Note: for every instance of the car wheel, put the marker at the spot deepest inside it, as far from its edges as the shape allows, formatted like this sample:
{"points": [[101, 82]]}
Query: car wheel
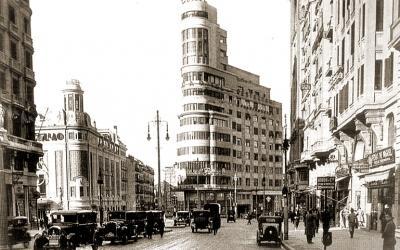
{"points": [[26, 244], [192, 230], [196, 230], [174, 224], [136, 237], [124, 239]]}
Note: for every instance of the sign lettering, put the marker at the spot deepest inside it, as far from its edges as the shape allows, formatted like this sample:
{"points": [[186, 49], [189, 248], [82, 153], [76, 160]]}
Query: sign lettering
{"points": [[326, 182], [50, 137], [382, 157]]}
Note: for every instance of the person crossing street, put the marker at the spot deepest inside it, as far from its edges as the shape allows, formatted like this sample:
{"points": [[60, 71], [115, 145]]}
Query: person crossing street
{"points": [[352, 222]]}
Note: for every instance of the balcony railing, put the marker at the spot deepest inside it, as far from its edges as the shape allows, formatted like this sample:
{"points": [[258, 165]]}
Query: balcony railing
{"points": [[32, 145], [395, 34], [321, 147], [15, 64], [28, 40], [29, 73], [14, 29]]}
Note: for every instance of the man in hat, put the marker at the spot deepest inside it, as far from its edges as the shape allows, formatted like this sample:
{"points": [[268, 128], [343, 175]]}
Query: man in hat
{"points": [[352, 222], [388, 235]]}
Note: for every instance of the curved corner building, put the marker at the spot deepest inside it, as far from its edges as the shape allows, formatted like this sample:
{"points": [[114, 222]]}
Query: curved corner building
{"points": [[228, 125]]}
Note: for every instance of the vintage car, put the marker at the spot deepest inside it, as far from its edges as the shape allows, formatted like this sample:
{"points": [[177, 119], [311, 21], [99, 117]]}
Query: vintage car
{"points": [[215, 212], [201, 219], [231, 216], [117, 228], [69, 229], [137, 218], [157, 218], [182, 218], [269, 229], [18, 231]]}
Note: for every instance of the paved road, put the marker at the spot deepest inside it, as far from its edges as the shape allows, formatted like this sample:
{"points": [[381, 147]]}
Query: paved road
{"points": [[230, 236]]}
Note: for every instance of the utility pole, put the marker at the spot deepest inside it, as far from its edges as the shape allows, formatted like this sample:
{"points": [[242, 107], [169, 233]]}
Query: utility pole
{"points": [[158, 121], [285, 189]]}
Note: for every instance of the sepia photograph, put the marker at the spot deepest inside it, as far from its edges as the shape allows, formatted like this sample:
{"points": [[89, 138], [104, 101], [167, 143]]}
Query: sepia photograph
{"points": [[200, 124]]}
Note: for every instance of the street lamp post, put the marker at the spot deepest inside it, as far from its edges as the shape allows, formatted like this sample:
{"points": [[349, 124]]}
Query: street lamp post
{"points": [[100, 183], [158, 121], [235, 179], [285, 189]]}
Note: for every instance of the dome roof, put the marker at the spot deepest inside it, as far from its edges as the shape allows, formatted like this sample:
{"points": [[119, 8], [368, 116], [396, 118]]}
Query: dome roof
{"points": [[73, 85]]}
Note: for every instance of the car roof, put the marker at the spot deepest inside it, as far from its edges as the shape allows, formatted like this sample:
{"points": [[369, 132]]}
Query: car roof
{"points": [[72, 212], [183, 212], [19, 218]]}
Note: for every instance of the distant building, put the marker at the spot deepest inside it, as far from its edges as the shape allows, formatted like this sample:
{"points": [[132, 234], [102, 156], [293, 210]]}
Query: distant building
{"points": [[229, 125], [79, 159], [19, 152], [144, 185]]}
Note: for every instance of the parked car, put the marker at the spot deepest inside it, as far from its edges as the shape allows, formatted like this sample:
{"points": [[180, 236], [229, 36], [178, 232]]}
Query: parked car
{"points": [[231, 216], [201, 219], [18, 231], [182, 217], [117, 228], [269, 229], [69, 229]]}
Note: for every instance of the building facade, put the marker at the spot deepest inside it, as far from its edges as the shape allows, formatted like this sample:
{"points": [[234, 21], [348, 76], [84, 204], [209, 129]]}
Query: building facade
{"points": [[347, 90], [82, 167], [144, 186], [19, 153], [230, 133]]}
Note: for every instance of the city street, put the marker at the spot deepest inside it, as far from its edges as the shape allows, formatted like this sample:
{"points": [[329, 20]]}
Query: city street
{"points": [[230, 236]]}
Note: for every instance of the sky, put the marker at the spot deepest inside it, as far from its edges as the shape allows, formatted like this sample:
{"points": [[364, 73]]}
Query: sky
{"points": [[127, 56]]}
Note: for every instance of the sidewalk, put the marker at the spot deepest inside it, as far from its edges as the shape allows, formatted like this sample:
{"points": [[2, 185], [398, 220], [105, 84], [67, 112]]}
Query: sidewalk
{"points": [[363, 239]]}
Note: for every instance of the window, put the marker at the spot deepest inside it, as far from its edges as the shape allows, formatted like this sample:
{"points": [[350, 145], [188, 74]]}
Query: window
{"points": [[263, 132], [2, 41], [26, 25], [271, 183], [3, 83], [379, 15], [71, 135], [378, 75], [28, 59], [72, 191], [247, 168], [255, 169], [278, 183], [389, 70], [247, 181], [247, 143], [256, 131], [256, 144], [255, 156], [29, 93], [391, 130], [248, 129], [361, 79], [15, 87], [13, 50], [255, 182], [230, 111], [255, 118], [239, 114], [81, 194], [263, 145], [363, 21], [11, 14]]}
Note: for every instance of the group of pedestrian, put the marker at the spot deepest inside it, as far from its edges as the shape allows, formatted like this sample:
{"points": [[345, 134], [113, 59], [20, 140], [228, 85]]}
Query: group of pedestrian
{"points": [[344, 217], [311, 223]]}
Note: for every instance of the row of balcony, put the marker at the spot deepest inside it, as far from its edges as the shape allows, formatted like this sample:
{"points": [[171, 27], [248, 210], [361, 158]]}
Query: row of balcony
{"points": [[25, 144]]}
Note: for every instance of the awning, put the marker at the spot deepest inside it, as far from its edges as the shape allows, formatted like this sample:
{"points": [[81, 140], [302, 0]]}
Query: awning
{"points": [[377, 176], [341, 178]]}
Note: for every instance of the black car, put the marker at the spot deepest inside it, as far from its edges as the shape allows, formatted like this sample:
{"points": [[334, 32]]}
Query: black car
{"points": [[231, 216], [269, 229], [69, 229], [201, 219], [182, 217], [137, 218], [18, 231], [117, 228]]}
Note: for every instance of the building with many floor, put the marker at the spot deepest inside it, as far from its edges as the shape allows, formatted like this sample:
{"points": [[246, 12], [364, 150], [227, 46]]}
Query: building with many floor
{"points": [[83, 167], [345, 108], [144, 185], [230, 132], [19, 152]]}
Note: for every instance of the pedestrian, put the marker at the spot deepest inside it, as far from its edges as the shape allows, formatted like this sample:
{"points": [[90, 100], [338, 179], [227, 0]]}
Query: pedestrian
{"points": [[352, 222], [309, 226], [297, 220], [46, 221], [150, 226], [41, 224], [326, 219], [360, 217], [215, 224], [343, 217], [249, 218], [388, 235], [382, 217], [317, 219]]}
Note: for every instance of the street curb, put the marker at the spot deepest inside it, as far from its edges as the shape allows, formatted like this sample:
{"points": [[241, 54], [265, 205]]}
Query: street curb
{"points": [[287, 246]]}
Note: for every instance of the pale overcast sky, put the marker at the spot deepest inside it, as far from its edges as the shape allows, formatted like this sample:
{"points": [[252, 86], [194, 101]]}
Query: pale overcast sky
{"points": [[127, 56]]}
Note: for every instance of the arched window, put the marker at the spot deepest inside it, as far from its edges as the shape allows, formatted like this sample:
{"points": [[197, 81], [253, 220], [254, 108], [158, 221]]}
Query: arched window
{"points": [[391, 130]]}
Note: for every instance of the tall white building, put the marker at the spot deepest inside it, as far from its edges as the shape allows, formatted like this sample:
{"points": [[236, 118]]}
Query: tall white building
{"points": [[229, 126]]}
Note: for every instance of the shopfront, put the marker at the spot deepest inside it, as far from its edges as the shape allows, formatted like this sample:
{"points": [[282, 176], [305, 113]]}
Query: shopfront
{"points": [[380, 185]]}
